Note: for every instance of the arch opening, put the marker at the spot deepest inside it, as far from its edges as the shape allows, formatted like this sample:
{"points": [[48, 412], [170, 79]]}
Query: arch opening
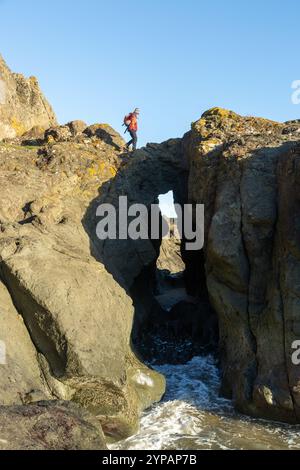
{"points": [[180, 322], [173, 319]]}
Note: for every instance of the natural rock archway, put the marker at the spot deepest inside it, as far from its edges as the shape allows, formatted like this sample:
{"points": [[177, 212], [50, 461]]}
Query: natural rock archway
{"points": [[68, 296], [243, 170], [153, 170]]}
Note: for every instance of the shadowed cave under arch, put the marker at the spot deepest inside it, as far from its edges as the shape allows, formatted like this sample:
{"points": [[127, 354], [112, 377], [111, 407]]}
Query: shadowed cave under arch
{"points": [[155, 170]]}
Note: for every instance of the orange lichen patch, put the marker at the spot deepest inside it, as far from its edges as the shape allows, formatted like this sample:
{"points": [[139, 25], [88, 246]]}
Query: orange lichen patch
{"points": [[97, 169], [35, 130], [208, 145], [50, 139], [101, 166], [92, 171], [221, 123], [113, 170], [221, 113], [17, 126], [33, 80]]}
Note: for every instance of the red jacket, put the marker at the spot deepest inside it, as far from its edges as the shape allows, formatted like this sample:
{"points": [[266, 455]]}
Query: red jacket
{"points": [[133, 126]]}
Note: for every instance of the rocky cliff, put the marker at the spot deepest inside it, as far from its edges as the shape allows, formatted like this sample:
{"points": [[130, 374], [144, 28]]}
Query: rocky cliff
{"points": [[22, 105], [246, 172], [72, 306], [65, 321]]}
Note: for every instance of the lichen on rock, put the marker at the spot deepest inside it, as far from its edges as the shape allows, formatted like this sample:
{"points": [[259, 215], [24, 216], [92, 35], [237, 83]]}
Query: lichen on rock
{"points": [[74, 316], [72, 305], [248, 185]]}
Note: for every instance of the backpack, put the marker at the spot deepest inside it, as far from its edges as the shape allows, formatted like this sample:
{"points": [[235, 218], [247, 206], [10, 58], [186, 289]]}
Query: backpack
{"points": [[127, 120]]}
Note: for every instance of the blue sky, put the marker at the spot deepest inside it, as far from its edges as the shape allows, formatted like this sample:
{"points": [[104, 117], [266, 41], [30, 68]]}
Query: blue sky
{"points": [[174, 59]]}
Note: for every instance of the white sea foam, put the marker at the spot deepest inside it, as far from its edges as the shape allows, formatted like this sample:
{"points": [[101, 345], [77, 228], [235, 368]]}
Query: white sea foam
{"points": [[194, 416]]}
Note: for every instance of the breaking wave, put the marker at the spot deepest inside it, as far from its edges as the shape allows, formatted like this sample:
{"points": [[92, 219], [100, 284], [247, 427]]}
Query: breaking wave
{"points": [[193, 416]]}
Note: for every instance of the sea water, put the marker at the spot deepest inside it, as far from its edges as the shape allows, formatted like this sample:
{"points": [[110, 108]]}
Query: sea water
{"points": [[192, 416]]}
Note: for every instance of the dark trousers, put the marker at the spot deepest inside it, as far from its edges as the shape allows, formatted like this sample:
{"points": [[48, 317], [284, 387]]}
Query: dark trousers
{"points": [[133, 140]]}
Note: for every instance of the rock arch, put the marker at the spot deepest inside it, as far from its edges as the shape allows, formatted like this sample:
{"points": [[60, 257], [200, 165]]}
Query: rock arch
{"points": [[154, 170]]}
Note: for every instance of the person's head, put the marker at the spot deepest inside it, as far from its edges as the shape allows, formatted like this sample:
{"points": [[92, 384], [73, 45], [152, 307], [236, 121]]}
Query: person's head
{"points": [[136, 112]]}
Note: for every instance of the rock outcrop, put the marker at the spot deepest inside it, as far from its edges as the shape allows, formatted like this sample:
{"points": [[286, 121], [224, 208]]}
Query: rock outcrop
{"points": [[22, 104], [154, 170], [246, 172], [21, 379], [170, 256], [78, 318], [49, 426]]}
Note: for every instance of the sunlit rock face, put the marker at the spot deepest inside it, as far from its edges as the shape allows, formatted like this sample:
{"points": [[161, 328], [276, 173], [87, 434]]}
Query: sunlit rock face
{"points": [[64, 319], [22, 104]]}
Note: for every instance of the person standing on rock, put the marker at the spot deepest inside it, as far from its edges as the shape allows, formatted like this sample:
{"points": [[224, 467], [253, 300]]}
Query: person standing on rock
{"points": [[131, 122]]}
